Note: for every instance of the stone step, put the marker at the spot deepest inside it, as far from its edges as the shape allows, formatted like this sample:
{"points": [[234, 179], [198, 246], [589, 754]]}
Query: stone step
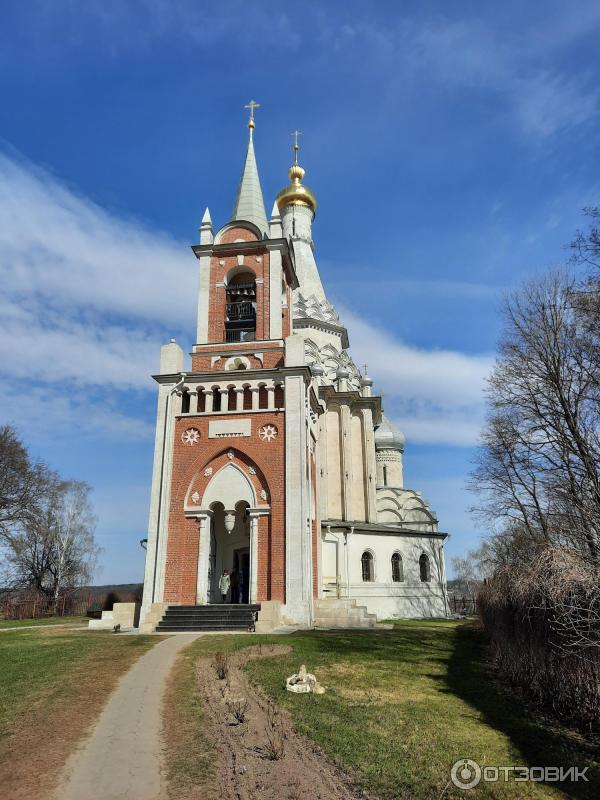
{"points": [[208, 618], [166, 628]]}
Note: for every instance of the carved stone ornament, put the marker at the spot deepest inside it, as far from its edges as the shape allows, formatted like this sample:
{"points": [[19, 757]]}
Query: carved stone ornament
{"points": [[263, 494], [251, 470], [195, 497], [191, 436], [267, 433], [208, 472], [230, 455]]}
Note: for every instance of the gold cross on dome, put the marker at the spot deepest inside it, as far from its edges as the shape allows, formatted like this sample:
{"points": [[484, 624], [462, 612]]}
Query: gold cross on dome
{"points": [[296, 134], [252, 105]]}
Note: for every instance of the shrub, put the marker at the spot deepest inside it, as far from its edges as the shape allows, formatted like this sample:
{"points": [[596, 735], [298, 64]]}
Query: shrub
{"points": [[543, 621]]}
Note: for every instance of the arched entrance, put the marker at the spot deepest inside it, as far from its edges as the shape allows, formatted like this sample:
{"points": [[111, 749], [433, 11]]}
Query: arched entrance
{"points": [[228, 535], [230, 550]]}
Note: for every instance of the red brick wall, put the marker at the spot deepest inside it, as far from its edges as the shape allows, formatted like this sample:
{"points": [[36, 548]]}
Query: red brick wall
{"points": [[189, 463], [218, 273], [273, 356]]}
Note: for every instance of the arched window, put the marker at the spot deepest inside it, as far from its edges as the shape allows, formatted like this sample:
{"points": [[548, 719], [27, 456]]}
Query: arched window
{"points": [[216, 399], [185, 402], [231, 400], [366, 561], [201, 400], [397, 568], [424, 568], [240, 321], [247, 398], [279, 396], [263, 397]]}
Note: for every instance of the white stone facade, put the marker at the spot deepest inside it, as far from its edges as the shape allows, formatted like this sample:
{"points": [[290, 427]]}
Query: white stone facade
{"points": [[353, 535]]}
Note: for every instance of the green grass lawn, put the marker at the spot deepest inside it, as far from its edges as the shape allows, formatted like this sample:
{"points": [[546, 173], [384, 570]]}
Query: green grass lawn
{"points": [[26, 623], [401, 706], [53, 684]]}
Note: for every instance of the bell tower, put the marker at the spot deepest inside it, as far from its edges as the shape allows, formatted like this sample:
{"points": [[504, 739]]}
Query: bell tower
{"points": [[231, 478]]}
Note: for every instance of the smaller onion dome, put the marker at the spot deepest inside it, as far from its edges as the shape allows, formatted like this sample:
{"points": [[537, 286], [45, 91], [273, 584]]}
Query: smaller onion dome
{"points": [[296, 193], [388, 436], [317, 370]]}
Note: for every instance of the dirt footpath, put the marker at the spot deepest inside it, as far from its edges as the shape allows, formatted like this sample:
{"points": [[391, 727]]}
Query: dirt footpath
{"points": [[122, 758], [260, 756]]}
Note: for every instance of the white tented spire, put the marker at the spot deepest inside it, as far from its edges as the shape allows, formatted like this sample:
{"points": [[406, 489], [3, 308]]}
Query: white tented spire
{"points": [[249, 204]]}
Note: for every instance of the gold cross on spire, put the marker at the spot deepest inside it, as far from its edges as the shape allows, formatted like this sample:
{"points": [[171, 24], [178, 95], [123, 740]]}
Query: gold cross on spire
{"points": [[296, 134], [251, 105]]}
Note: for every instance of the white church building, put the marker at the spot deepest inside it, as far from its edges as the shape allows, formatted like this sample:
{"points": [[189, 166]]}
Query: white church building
{"points": [[273, 458]]}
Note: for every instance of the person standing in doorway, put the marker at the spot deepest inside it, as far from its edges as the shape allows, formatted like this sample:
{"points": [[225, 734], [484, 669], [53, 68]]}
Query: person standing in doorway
{"points": [[224, 583]]}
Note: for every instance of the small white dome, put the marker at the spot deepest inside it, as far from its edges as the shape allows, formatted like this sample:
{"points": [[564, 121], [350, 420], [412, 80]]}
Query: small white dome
{"points": [[388, 436]]}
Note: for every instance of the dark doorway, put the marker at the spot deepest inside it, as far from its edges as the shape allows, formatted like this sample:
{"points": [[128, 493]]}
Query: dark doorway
{"points": [[241, 565]]}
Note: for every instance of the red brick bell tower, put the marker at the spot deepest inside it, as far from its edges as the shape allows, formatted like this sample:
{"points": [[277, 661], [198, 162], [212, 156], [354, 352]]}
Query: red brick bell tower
{"points": [[219, 484]]}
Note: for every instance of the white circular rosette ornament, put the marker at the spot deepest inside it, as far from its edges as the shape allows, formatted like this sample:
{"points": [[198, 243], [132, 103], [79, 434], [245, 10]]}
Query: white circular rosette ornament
{"points": [[267, 433], [191, 436]]}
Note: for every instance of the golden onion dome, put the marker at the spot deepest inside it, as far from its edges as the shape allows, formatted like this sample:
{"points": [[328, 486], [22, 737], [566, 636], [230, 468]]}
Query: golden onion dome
{"points": [[296, 193]]}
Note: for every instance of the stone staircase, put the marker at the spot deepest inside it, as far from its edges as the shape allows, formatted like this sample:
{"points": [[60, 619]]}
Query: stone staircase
{"points": [[178, 619], [342, 614]]}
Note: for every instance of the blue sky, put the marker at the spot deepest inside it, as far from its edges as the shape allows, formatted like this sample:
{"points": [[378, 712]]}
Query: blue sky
{"points": [[451, 147]]}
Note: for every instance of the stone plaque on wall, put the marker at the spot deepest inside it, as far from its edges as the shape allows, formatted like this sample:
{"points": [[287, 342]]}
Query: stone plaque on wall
{"points": [[223, 428]]}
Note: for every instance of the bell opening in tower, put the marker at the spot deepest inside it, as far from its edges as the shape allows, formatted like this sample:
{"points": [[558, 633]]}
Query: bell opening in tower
{"points": [[240, 319]]}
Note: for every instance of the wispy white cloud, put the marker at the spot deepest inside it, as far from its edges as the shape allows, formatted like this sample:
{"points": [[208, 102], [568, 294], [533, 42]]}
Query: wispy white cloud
{"points": [[87, 297], [436, 396], [521, 71]]}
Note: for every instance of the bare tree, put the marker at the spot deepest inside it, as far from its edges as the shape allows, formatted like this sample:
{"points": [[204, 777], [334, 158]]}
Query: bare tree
{"points": [[53, 550], [21, 481], [470, 570], [538, 473]]}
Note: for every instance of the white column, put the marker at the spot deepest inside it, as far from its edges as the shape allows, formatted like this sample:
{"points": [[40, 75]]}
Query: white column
{"points": [[253, 557], [255, 397], [271, 397], [203, 557], [208, 400], [275, 329], [239, 400], [345, 446], [370, 465], [161, 457], [224, 399], [176, 403], [297, 565], [203, 295], [193, 401]]}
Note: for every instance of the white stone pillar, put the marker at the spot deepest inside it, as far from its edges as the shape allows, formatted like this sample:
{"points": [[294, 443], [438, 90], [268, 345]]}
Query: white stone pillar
{"points": [[297, 509], [275, 308], [176, 403], [255, 390], [208, 400], [370, 471], [239, 400], [193, 401], [224, 399], [203, 559], [253, 557], [346, 450], [271, 397]]}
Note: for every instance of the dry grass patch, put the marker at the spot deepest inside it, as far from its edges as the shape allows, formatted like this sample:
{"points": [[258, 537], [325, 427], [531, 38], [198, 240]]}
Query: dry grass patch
{"points": [[403, 705], [53, 684]]}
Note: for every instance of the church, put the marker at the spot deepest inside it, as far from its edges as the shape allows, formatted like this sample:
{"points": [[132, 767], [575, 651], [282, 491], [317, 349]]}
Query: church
{"points": [[277, 476]]}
